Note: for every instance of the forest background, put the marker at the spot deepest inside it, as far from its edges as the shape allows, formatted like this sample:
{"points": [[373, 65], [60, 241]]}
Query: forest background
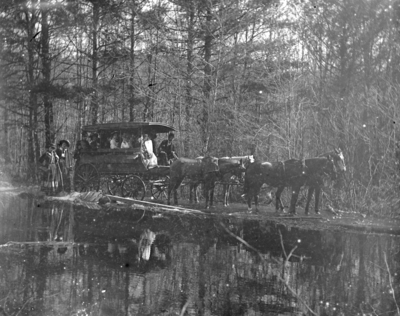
{"points": [[293, 78]]}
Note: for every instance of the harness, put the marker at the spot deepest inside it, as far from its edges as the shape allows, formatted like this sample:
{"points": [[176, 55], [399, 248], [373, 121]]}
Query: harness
{"points": [[303, 170]]}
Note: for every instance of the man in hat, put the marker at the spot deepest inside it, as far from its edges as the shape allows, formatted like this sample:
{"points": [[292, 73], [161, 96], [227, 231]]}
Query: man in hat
{"points": [[166, 151], [48, 165]]}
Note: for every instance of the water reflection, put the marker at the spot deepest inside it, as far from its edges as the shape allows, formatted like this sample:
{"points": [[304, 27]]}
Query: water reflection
{"points": [[76, 261]]}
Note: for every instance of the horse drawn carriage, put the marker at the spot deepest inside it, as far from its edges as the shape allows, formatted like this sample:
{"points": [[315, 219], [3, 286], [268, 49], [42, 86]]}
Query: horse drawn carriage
{"points": [[123, 170]]}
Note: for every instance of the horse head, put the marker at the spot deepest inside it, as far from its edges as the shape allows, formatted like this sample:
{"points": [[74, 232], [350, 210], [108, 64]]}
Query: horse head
{"points": [[339, 160], [330, 167], [247, 161], [241, 166]]}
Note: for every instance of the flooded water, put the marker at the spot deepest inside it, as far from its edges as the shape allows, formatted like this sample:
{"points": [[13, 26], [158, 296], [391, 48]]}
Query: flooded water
{"points": [[56, 259]]}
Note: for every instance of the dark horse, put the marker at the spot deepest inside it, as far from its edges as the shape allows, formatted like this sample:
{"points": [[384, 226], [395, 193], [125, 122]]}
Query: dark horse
{"points": [[292, 173], [231, 169], [315, 186], [196, 170]]}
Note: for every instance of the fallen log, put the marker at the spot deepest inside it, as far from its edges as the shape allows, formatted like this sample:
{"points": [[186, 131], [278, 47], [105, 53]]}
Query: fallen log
{"points": [[145, 205]]}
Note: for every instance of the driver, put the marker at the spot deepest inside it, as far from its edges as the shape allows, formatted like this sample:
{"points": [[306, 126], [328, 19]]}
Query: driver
{"points": [[166, 151]]}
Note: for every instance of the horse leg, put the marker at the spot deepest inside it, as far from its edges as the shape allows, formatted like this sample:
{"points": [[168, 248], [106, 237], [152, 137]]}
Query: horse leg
{"points": [[174, 184], [171, 187], [209, 184], [309, 196], [256, 196], [212, 197], [206, 191], [249, 194], [176, 195], [225, 190], [169, 192], [196, 198], [317, 195], [293, 200], [191, 193], [278, 201]]}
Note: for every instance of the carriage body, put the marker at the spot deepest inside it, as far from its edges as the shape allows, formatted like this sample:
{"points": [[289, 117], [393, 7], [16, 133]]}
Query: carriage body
{"points": [[123, 170]]}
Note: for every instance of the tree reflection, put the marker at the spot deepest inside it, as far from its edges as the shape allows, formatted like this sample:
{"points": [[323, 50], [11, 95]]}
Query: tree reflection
{"points": [[71, 261]]}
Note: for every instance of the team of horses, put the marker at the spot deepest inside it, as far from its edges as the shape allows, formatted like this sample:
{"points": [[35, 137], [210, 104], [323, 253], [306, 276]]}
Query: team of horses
{"points": [[292, 173]]}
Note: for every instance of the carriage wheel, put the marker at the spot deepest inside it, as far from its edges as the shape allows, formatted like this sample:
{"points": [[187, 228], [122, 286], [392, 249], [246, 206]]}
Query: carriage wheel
{"points": [[114, 185], [159, 189], [133, 187], [86, 178]]}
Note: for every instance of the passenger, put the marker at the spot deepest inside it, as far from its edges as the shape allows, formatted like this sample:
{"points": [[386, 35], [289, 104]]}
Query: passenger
{"points": [[134, 141], [104, 141], [114, 141], [153, 136], [84, 142], [48, 165], [125, 141], [94, 141], [63, 155], [149, 159], [166, 151]]}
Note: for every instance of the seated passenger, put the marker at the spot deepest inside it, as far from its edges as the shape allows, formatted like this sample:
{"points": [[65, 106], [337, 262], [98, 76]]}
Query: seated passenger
{"points": [[149, 158], [84, 143], [134, 141], [125, 141], [114, 141], [94, 141], [104, 141], [152, 137]]}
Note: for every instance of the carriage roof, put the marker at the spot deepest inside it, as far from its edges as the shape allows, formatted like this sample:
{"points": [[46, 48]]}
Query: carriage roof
{"points": [[144, 127]]}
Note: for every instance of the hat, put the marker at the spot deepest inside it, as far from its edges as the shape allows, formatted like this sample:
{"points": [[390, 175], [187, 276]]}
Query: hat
{"points": [[64, 141]]}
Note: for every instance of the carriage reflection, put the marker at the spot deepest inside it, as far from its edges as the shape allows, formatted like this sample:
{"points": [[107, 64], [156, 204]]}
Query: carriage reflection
{"points": [[117, 265]]}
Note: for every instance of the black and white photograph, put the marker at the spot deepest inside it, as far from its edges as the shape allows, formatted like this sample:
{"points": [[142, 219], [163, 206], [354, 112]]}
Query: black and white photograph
{"points": [[199, 157]]}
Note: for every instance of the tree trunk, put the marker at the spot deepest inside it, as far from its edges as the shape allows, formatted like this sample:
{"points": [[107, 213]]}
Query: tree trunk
{"points": [[32, 127], [94, 103], [6, 153], [207, 82], [147, 105], [132, 65], [189, 72], [46, 72]]}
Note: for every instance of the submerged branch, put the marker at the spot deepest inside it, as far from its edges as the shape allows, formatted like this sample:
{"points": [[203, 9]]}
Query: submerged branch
{"points": [[294, 293], [391, 283]]}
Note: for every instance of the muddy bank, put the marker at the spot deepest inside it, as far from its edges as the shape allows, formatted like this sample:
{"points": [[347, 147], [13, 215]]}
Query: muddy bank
{"points": [[327, 220]]}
